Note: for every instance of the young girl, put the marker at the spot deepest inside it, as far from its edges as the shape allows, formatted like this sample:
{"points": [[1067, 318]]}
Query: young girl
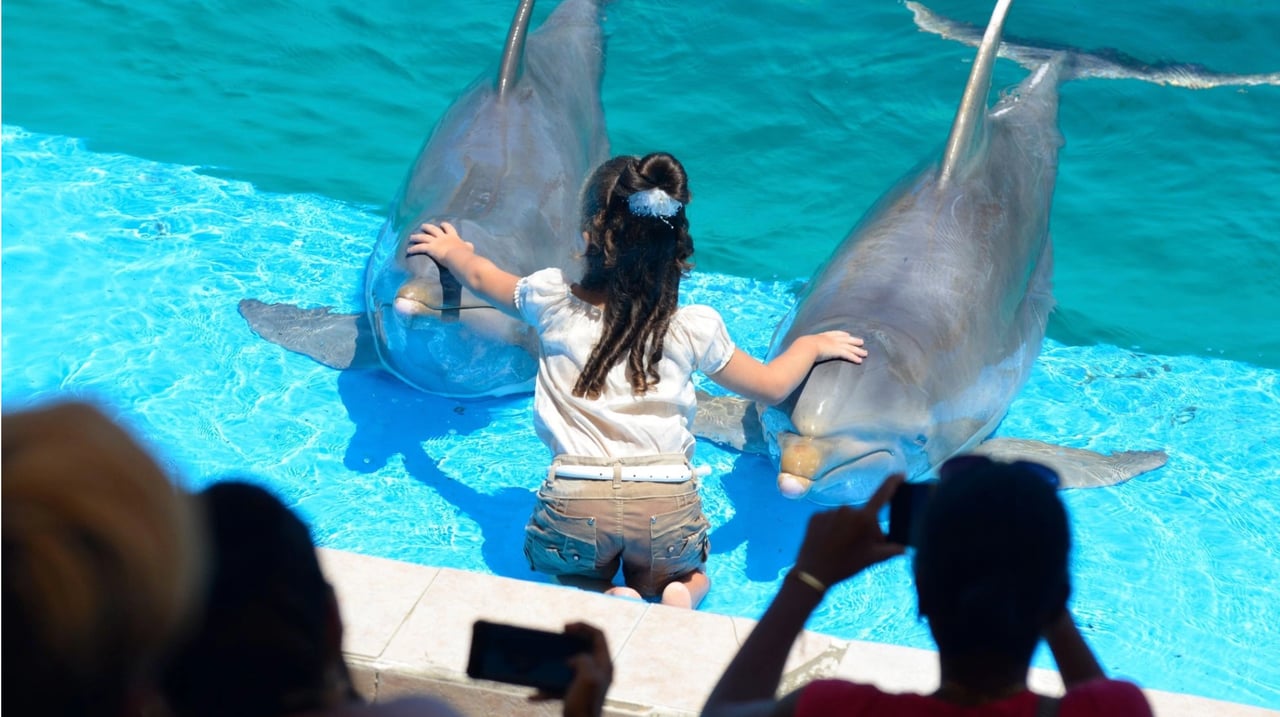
{"points": [[614, 397]]}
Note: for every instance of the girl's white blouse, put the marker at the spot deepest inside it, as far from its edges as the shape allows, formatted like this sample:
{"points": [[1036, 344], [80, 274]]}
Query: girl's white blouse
{"points": [[617, 423]]}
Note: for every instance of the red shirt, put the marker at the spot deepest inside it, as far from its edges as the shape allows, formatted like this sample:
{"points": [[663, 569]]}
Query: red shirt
{"points": [[839, 698]]}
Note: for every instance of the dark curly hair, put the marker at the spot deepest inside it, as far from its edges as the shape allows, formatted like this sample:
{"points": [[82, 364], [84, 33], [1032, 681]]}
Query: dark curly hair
{"points": [[265, 645], [637, 262]]}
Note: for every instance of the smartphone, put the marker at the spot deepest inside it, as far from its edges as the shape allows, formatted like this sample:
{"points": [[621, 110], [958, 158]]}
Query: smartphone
{"points": [[905, 509], [524, 656]]}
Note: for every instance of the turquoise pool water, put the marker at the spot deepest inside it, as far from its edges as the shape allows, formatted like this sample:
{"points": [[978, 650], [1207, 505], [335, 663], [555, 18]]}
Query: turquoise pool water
{"points": [[161, 163]]}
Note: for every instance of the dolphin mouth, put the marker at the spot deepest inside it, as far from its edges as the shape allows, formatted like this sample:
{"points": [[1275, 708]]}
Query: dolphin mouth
{"points": [[881, 461], [416, 297], [409, 308], [793, 486], [855, 481], [463, 359], [808, 469], [800, 461]]}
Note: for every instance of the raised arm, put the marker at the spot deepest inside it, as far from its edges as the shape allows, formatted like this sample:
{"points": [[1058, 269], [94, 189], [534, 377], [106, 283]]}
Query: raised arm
{"points": [[838, 544], [481, 276], [773, 381], [1075, 660]]}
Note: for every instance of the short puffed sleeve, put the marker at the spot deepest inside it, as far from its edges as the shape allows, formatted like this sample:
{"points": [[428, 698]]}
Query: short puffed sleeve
{"points": [[704, 329], [538, 291]]}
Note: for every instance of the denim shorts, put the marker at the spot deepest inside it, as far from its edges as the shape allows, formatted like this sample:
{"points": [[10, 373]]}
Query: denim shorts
{"points": [[583, 530]]}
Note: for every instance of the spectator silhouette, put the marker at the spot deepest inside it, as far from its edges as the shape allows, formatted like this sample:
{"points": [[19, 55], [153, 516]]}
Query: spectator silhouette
{"points": [[270, 642], [101, 565], [991, 577]]}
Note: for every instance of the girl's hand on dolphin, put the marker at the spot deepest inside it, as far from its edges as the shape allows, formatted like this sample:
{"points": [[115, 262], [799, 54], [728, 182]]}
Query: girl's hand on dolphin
{"points": [[438, 242], [843, 542], [839, 345]]}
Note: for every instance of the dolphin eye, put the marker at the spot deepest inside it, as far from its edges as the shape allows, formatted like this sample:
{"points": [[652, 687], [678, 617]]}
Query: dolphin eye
{"points": [[481, 201], [921, 439]]}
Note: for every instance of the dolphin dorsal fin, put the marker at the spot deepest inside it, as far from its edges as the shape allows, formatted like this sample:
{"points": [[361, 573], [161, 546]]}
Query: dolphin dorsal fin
{"points": [[513, 51], [968, 130]]}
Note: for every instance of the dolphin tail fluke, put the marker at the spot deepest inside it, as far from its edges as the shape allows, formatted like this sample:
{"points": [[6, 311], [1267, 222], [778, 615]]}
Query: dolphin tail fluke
{"points": [[1076, 467], [338, 341], [730, 421], [1082, 64]]}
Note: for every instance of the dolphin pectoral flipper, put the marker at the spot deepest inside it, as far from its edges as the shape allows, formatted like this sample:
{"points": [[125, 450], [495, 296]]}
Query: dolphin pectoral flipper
{"points": [[730, 421], [338, 341], [1076, 467]]}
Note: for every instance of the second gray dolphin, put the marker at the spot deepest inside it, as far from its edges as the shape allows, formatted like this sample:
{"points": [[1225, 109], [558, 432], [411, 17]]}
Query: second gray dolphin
{"points": [[948, 279]]}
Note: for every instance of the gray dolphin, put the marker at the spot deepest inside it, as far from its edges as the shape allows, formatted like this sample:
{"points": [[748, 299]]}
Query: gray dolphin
{"points": [[947, 278], [505, 164]]}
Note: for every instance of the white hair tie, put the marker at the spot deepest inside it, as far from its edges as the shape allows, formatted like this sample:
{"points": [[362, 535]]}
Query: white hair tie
{"points": [[653, 203]]}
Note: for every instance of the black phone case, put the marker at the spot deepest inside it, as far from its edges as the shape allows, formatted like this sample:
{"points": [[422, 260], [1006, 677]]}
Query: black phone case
{"points": [[523, 656], [905, 509]]}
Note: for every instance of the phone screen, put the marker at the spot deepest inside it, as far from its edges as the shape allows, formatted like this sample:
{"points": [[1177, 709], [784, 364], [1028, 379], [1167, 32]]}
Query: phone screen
{"points": [[905, 509], [523, 656]]}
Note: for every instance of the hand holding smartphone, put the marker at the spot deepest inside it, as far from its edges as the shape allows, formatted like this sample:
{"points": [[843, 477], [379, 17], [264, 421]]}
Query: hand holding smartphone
{"points": [[524, 656], [905, 510]]}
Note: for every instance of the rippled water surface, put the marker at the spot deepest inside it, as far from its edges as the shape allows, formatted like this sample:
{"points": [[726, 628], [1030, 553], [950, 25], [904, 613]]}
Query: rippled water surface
{"points": [[163, 161]]}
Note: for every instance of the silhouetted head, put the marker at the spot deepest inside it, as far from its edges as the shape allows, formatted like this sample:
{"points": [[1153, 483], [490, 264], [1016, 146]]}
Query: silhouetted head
{"points": [[270, 639], [638, 248], [102, 564], [991, 564]]}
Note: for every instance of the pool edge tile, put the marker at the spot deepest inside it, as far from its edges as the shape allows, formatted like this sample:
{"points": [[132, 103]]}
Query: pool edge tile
{"points": [[375, 596], [420, 645], [437, 633]]}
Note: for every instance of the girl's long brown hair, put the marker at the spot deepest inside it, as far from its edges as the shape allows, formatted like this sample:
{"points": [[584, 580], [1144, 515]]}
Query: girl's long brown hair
{"points": [[637, 261]]}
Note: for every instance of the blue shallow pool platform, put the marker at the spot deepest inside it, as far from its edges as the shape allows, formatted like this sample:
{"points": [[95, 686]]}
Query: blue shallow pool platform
{"points": [[408, 628]]}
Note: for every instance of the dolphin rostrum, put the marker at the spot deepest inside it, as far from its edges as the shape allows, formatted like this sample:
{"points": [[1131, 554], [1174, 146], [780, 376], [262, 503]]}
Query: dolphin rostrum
{"points": [[947, 278], [504, 164]]}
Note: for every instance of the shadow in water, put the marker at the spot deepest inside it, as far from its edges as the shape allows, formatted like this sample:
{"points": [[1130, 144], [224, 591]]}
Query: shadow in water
{"points": [[393, 418], [771, 526], [501, 517]]}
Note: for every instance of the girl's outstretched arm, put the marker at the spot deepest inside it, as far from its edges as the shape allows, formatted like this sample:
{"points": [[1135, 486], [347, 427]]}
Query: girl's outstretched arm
{"points": [[481, 276], [772, 382]]}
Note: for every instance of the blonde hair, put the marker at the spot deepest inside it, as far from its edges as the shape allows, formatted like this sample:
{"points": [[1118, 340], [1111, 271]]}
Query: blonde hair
{"points": [[102, 559]]}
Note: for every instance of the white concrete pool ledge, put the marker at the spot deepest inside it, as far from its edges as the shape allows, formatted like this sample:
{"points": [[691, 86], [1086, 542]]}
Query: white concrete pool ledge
{"points": [[408, 630]]}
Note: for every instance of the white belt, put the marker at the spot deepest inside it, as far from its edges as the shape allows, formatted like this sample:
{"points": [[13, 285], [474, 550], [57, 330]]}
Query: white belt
{"points": [[654, 474]]}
